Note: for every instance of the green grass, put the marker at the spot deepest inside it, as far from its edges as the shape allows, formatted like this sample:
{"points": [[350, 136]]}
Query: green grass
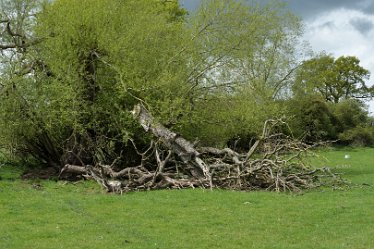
{"points": [[65, 215]]}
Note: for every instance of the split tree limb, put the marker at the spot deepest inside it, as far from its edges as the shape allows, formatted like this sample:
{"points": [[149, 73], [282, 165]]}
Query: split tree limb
{"points": [[274, 162]]}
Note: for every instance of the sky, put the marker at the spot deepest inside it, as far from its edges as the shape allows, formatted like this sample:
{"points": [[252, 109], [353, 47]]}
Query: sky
{"points": [[338, 27]]}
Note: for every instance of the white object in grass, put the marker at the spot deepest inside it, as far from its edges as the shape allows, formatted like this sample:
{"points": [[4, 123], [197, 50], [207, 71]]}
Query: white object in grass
{"points": [[347, 156]]}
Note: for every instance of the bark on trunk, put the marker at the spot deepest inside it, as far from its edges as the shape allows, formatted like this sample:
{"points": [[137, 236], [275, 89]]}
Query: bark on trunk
{"points": [[182, 147]]}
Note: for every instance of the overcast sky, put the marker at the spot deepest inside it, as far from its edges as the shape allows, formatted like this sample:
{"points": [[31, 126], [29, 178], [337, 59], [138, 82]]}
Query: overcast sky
{"points": [[339, 27]]}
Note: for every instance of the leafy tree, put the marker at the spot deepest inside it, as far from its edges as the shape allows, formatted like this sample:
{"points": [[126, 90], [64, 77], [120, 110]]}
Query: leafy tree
{"points": [[243, 58], [311, 119], [334, 79], [17, 19], [338, 86], [359, 136], [314, 119], [350, 113], [354, 123], [86, 73]]}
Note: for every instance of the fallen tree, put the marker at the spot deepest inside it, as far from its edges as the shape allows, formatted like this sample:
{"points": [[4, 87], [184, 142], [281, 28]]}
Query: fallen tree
{"points": [[273, 162]]}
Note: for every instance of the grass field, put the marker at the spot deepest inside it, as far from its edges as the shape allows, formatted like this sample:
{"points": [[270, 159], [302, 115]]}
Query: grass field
{"points": [[81, 215]]}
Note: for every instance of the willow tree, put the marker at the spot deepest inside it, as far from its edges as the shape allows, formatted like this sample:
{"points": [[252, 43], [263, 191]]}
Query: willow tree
{"points": [[73, 84], [243, 61]]}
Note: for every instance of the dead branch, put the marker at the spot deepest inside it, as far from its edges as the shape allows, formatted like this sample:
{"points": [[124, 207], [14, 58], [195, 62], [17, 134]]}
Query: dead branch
{"points": [[274, 162]]}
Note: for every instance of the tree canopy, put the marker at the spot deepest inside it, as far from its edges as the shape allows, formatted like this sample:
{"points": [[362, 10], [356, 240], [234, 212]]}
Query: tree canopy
{"points": [[334, 79], [328, 101]]}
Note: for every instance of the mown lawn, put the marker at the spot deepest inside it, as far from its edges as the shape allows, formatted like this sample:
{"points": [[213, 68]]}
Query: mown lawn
{"points": [[81, 215]]}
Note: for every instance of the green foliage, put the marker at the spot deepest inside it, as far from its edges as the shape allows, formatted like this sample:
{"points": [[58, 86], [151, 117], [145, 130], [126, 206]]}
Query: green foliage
{"points": [[315, 119], [354, 123], [326, 102], [334, 79], [243, 56], [113, 48], [312, 119], [88, 71], [358, 136], [224, 117], [350, 113]]}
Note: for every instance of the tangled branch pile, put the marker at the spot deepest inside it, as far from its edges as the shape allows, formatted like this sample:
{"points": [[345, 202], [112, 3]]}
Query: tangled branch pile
{"points": [[274, 162]]}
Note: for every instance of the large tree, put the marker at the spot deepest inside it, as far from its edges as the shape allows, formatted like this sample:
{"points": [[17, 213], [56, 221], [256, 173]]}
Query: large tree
{"points": [[243, 58], [70, 89], [334, 79], [328, 99]]}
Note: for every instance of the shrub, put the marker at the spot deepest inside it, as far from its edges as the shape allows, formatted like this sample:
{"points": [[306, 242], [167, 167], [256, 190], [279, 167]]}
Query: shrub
{"points": [[358, 136], [312, 119]]}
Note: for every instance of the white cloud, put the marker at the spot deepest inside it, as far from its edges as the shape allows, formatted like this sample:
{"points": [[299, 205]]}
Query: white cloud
{"points": [[337, 32]]}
